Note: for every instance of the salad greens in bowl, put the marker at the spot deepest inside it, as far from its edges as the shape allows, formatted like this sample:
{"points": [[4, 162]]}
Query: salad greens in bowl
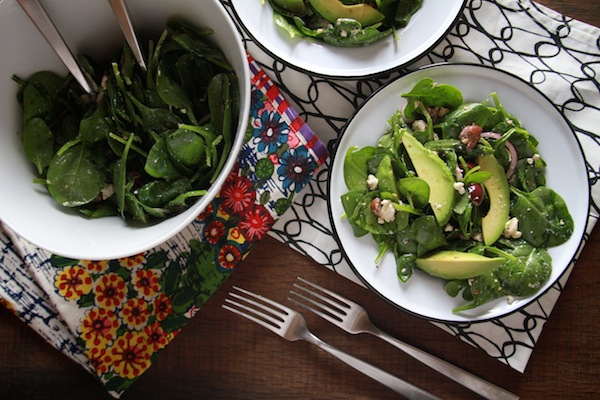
{"points": [[321, 46], [117, 172], [346, 23], [459, 193]]}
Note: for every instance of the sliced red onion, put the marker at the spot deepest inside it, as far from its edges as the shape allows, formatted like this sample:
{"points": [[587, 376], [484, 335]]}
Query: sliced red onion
{"points": [[513, 159], [492, 135], [511, 150]]}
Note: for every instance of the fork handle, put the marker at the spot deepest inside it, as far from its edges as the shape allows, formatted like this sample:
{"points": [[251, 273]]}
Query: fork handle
{"points": [[37, 14], [398, 385], [478, 385]]}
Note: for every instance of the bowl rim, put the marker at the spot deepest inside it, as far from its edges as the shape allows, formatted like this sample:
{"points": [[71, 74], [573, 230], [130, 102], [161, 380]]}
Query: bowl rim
{"points": [[186, 217], [477, 320], [350, 76]]}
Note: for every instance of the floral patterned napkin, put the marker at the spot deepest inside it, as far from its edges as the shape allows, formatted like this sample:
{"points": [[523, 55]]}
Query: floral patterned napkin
{"points": [[114, 316]]}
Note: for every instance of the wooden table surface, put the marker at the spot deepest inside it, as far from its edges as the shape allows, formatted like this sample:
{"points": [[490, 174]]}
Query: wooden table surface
{"points": [[221, 355]]}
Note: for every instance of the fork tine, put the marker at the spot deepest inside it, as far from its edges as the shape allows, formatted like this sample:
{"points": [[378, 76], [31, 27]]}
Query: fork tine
{"points": [[336, 307], [276, 307], [329, 316], [272, 318], [249, 316], [341, 301]]}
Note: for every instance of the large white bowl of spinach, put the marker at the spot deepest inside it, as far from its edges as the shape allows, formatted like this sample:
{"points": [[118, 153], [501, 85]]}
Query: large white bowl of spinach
{"points": [[459, 193], [117, 173]]}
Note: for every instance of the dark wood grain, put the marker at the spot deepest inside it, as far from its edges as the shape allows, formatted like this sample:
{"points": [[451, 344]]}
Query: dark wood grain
{"points": [[219, 355]]}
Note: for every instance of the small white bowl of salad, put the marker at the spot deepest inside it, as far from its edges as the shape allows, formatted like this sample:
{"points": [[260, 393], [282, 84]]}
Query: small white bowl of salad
{"points": [[459, 193], [346, 39], [115, 173]]}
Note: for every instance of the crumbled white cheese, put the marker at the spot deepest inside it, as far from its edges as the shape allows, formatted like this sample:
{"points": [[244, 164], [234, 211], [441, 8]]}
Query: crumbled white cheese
{"points": [[511, 229], [459, 187], [510, 299], [448, 228], [107, 191], [478, 236], [388, 212], [533, 159], [372, 182], [419, 125]]}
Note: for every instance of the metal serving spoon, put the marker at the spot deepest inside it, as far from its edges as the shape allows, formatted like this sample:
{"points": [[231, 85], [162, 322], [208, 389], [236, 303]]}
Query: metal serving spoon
{"points": [[122, 13], [44, 24]]}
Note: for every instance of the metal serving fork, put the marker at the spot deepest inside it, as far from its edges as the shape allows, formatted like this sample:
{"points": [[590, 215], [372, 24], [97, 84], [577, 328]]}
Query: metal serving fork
{"points": [[291, 326], [353, 318]]}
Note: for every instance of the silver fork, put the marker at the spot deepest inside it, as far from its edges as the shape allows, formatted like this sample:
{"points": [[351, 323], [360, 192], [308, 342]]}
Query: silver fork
{"points": [[40, 18], [121, 11], [291, 326], [353, 318]]}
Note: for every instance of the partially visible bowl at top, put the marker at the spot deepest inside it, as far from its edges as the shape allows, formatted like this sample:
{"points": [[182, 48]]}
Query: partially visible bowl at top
{"points": [[89, 27], [426, 28]]}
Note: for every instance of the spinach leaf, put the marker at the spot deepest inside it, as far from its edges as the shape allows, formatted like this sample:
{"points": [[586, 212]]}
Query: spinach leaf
{"points": [[158, 164], [355, 167], [39, 93], [170, 91], [434, 94], [348, 32], [38, 141], [158, 193], [350, 202], [96, 127], [543, 217], [73, 178], [416, 190], [120, 176], [521, 275]]}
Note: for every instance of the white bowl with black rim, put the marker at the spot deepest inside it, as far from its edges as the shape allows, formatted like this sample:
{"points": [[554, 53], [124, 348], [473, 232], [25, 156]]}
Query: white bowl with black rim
{"points": [[427, 27], [424, 295]]}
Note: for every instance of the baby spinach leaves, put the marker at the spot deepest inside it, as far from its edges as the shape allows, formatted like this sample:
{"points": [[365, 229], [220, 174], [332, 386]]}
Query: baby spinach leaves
{"points": [[523, 274], [73, 179], [333, 22], [545, 219], [384, 173], [149, 143]]}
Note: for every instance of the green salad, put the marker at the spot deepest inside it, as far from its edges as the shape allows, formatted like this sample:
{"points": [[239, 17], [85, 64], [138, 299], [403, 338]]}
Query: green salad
{"points": [[344, 23], [148, 143], [458, 190]]}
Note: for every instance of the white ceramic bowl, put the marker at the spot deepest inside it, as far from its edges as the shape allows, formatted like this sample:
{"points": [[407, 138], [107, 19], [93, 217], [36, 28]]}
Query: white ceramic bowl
{"points": [[422, 294], [89, 27], [426, 28]]}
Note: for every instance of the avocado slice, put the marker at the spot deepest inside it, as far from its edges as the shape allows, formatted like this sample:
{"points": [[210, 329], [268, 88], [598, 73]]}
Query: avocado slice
{"points": [[290, 8], [432, 169], [449, 264], [332, 10], [498, 191]]}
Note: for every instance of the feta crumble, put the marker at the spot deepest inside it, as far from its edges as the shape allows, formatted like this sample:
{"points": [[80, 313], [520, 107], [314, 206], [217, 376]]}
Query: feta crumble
{"points": [[388, 212], [372, 182], [460, 187], [511, 229]]}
